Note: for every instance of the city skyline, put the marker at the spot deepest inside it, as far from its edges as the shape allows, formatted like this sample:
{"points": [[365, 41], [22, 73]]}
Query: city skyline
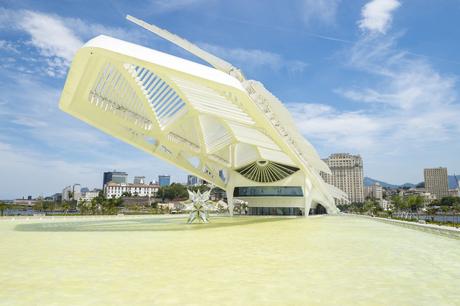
{"points": [[396, 106]]}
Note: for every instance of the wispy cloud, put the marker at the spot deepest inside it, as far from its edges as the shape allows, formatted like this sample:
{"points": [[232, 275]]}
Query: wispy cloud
{"points": [[56, 39], [251, 59], [407, 104], [323, 11], [343, 130], [8, 46], [164, 6], [377, 15], [50, 35]]}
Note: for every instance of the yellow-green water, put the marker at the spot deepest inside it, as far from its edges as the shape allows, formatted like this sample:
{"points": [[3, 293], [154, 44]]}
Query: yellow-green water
{"points": [[333, 260]]}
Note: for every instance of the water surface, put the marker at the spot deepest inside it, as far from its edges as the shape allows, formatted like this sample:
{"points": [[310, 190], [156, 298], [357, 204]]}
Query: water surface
{"points": [[331, 260]]}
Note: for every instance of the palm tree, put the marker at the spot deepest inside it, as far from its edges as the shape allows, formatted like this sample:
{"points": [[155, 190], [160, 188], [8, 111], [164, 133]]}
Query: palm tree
{"points": [[66, 207]]}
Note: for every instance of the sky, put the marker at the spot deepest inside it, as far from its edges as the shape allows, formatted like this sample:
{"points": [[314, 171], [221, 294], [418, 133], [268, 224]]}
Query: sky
{"points": [[379, 78]]}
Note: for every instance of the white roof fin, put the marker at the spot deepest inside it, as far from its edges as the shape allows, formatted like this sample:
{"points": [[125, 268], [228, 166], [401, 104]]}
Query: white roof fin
{"points": [[213, 60]]}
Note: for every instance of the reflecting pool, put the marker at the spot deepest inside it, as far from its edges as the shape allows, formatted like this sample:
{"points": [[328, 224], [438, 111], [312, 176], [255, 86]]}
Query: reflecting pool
{"points": [[160, 260]]}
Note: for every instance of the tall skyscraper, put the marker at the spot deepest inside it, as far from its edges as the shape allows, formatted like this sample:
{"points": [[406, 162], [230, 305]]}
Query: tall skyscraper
{"points": [[436, 182], [116, 177], [347, 175], [164, 180]]}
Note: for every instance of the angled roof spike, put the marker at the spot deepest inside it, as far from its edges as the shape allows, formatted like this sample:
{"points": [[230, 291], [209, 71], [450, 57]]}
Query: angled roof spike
{"points": [[213, 60]]}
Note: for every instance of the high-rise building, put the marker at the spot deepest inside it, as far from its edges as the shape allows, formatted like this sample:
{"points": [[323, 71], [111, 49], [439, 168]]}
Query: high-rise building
{"points": [[71, 193], [115, 176], [164, 180], [66, 193], [437, 182], [139, 180], [347, 175], [76, 192], [375, 191]]}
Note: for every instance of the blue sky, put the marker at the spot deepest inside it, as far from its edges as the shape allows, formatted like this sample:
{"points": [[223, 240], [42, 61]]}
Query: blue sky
{"points": [[378, 78]]}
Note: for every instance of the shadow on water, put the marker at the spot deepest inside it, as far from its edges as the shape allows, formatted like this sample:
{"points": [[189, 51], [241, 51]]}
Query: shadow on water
{"points": [[141, 225]]}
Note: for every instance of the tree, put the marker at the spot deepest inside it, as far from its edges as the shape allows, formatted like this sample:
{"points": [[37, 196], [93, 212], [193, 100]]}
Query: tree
{"points": [[39, 206], [372, 207], [414, 203], [172, 192], [3, 207], [449, 201], [398, 202], [65, 206]]}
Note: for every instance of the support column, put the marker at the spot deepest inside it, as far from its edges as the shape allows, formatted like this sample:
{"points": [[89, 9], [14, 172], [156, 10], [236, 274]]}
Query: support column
{"points": [[230, 204], [307, 196]]}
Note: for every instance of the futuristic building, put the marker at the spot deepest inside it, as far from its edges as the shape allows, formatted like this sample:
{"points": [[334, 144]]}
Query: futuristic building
{"points": [[210, 122]]}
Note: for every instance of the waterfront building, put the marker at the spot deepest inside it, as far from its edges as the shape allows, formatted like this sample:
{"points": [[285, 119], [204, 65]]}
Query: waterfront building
{"points": [[72, 192], [89, 195], [347, 175], [164, 180], [25, 202], [375, 191], [426, 196], [116, 190], [211, 122], [385, 204], [115, 176], [436, 182], [139, 180], [76, 192]]}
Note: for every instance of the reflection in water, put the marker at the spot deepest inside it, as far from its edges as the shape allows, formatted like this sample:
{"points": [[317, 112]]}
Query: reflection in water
{"points": [[141, 224]]}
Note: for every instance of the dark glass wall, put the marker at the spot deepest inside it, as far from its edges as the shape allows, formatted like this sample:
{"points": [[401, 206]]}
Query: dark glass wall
{"points": [[268, 191], [275, 211]]}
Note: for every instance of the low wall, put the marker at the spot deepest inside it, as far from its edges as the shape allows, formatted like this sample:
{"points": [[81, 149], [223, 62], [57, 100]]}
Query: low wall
{"points": [[450, 232]]}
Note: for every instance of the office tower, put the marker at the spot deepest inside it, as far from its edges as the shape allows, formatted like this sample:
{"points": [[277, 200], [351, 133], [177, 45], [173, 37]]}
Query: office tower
{"points": [[164, 180], [115, 176], [347, 175], [436, 182]]}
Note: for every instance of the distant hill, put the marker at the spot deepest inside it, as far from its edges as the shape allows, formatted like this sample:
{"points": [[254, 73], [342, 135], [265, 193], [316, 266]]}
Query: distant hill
{"points": [[370, 181]]}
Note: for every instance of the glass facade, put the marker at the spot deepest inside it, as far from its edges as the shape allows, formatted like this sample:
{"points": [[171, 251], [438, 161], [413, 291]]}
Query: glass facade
{"points": [[275, 211], [116, 177], [164, 180], [268, 191]]}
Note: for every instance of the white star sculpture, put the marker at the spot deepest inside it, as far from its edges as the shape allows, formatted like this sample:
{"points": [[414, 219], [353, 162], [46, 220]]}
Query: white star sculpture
{"points": [[198, 204]]}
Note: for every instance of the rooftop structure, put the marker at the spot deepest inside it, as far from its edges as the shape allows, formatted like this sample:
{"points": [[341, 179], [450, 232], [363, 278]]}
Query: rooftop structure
{"points": [[210, 122]]}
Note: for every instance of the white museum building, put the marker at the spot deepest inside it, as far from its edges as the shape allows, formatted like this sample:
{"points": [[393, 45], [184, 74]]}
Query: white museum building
{"points": [[209, 121]]}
